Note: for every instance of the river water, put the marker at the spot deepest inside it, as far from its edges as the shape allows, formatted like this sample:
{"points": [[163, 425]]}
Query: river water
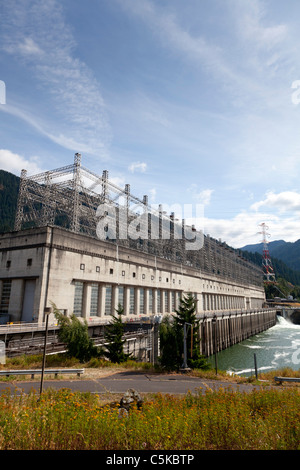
{"points": [[275, 349]]}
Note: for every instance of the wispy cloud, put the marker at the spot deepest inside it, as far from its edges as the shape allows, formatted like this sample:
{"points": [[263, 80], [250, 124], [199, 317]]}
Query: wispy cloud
{"points": [[37, 34], [137, 167], [200, 196], [167, 27], [252, 27]]}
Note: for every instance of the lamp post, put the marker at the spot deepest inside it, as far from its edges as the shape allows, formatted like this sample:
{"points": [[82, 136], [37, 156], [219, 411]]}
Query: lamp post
{"points": [[185, 366], [214, 323], [47, 313]]}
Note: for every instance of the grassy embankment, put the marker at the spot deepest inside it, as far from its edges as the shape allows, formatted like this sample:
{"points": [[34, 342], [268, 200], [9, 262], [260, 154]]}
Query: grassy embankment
{"points": [[264, 419]]}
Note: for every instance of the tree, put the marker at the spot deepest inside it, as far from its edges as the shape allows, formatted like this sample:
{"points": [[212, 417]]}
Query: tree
{"points": [[113, 335], [74, 333], [172, 337], [170, 354]]}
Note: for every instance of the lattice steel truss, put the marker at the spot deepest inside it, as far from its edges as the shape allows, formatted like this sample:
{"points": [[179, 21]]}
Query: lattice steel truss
{"points": [[268, 270], [70, 196]]}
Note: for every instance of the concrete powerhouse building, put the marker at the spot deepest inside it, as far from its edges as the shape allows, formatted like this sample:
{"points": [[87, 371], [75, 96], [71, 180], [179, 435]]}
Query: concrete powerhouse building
{"points": [[60, 260], [90, 277]]}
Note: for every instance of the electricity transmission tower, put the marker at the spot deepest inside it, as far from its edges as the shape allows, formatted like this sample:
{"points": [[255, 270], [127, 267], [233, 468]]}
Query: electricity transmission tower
{"points": [[268, 270]]}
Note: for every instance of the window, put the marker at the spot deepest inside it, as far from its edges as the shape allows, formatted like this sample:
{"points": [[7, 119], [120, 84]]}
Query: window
{"points": [[111, 271], [141, 301], [133, 274], [8, 264], [131, 300], [6, 289], [77, 309], [150, 301], [94, 299], [82, 267], [29, 262], [173, 302], [108, 294], [158, 301], [97, 269], [121, 296], [123, 273], [166, 293]]}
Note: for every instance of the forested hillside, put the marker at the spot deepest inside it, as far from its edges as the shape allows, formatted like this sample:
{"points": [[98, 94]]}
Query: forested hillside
{"points": [[9, 187], [288, 252]]}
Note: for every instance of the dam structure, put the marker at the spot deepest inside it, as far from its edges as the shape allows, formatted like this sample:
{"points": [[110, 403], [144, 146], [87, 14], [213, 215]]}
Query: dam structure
{"points": [[71, 247]]}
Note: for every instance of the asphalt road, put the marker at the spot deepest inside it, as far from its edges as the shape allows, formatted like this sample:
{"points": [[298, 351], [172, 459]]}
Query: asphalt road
{"points": [[121, 382]]}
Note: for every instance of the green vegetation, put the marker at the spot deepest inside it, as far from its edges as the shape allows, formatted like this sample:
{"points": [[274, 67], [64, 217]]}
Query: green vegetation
{"points": [[223, 420], [287, 278], [114, 338], [172, 337], [9, 188], [75, 334]]}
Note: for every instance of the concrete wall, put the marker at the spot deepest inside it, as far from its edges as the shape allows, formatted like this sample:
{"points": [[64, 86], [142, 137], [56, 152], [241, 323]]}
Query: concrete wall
{"points": [[219, 332], [59, 260]]}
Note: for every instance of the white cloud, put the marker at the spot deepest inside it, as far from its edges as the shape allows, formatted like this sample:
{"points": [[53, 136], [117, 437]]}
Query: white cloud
{"points": [[152, 193], [14, 163], [26, 46], [250, 16], [283, 201], [137, 167], [202, 196], [38, 36]]}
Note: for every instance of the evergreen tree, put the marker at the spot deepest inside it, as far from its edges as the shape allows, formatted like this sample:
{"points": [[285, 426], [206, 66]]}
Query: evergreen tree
{"points": [[172, 337], [168, 344], [114, 337]]}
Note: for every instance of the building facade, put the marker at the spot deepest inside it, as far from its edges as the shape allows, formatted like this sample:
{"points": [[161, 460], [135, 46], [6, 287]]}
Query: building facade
{"points": [[89, 277]]}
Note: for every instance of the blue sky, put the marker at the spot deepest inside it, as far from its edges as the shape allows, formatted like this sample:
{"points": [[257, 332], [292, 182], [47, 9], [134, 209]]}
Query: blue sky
{"points": [[190, 102]]}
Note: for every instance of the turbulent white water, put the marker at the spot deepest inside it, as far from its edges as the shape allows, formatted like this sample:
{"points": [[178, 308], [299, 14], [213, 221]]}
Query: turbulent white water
{"points": [[275, 348]]}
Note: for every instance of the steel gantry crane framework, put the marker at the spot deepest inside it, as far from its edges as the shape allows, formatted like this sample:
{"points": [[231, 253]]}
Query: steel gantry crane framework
{"points": [[70, 197]]}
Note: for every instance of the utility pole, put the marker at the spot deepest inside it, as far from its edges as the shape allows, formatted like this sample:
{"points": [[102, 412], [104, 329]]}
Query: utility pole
{"points": [[185, 330], [47, 313]]}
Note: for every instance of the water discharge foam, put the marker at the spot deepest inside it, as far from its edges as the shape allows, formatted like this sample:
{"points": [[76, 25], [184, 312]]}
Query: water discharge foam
{"points": [[275, 348]]}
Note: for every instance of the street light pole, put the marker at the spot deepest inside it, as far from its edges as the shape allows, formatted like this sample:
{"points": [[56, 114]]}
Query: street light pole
{"points": [[214, 323], [185, 366], [47, 313]]}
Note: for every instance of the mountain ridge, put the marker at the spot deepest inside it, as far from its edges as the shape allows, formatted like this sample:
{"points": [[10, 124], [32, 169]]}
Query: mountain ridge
{"points": [[287, 252]]}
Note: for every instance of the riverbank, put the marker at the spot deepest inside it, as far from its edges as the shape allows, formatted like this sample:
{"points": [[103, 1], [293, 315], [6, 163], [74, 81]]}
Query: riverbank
{"points": [[98, 368]]}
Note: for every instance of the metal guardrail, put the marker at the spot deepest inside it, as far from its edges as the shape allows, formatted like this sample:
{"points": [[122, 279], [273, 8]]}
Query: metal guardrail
{"points": [[16, 327], [34, 372], [286, 379]]}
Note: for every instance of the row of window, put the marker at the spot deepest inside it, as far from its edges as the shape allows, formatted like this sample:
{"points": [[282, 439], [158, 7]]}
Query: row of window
{"points": [[8, 263], [162, 296], [220, 302], [111, 271]]}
